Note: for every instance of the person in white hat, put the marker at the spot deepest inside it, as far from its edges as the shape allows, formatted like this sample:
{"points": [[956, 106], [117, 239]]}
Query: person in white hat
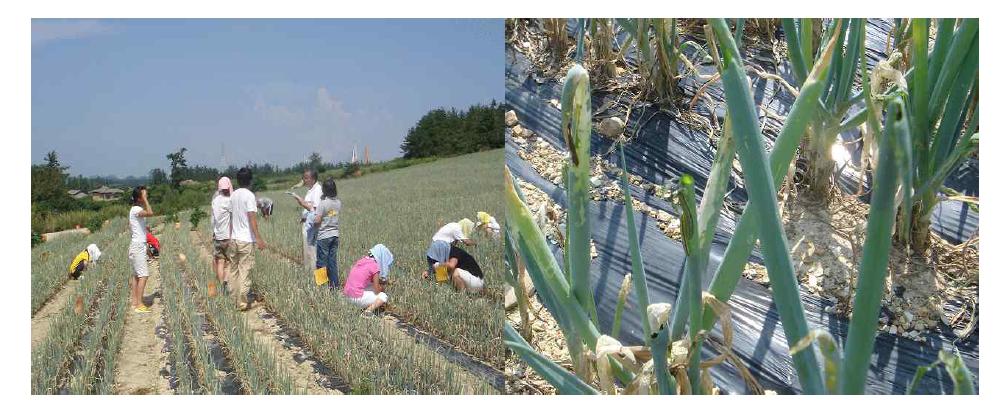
{"points": [[222, 229], [84, 259]]}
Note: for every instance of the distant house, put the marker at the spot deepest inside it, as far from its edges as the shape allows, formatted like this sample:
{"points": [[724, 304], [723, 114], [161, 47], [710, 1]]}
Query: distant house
{"points": [[188, 182], [105, 193], [77, 194]]}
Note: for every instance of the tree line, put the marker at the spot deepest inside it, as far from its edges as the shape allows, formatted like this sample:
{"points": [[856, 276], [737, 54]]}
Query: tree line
{"points": [[443, 132]]}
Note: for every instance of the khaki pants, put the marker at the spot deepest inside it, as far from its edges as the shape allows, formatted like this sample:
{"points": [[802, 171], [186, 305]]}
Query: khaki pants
{"points": [[308, 253], [241, 254]]}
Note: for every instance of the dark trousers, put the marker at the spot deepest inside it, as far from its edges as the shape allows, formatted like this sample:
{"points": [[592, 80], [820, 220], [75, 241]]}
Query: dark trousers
{"points": [[326, 256]]}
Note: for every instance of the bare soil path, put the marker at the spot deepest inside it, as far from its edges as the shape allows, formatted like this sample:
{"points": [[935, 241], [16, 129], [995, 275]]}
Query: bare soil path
{"points": [[142, 353], [43, 318]]}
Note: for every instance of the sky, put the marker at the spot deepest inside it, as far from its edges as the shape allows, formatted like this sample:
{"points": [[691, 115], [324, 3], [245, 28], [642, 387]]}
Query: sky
{"points": [[113, 97]]}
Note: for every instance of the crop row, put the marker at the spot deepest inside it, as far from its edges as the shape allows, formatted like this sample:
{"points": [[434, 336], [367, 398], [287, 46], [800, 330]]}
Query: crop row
{"points": [[190, 354], [50, 261], [372, 356], [255, 364], [51, 359]]}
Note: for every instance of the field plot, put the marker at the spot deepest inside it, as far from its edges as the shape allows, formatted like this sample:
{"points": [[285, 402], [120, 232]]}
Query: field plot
{"points": [[402, 209], [299, 339]]}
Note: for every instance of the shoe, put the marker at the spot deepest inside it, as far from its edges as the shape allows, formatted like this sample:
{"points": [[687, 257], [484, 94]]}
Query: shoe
{"points": [[142, 309]]}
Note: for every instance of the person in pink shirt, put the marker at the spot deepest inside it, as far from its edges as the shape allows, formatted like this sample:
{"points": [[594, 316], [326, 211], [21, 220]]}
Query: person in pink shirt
{"points": [[365, 283]]}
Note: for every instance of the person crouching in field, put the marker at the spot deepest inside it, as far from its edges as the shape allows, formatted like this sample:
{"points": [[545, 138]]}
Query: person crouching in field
{"points": [[328, 235], [265, 207], [488, 224], [463, 270], [451, 233], [83, 260], [369, 271], [222, 229], [137, 246], [152, 251], [244, 236]]}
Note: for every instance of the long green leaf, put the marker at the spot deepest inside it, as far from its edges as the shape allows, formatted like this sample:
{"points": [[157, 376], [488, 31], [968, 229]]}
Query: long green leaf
{"points": [[794, 49], [660, 346], [945, 32], [562, 380], [576, 125], [875, 256], [785, 145], [708, 218], [760, 184], [968, 31], [692, 276], [959, 373]]}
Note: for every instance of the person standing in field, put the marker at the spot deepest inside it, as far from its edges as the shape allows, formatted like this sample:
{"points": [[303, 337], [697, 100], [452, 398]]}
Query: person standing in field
{"points": [[244, 236], [309, 204], [328, 234], [137, 246], [222, 229], [365, 285], [83, 260], [463, 270], [451, 233]]}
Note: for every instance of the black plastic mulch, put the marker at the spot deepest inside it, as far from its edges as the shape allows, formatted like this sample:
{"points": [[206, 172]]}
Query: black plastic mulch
{"points": [[661, 150]]}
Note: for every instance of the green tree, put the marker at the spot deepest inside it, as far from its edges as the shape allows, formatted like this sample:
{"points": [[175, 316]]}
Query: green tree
{"points": [[315, 161], [157, 176], [178, 166]]}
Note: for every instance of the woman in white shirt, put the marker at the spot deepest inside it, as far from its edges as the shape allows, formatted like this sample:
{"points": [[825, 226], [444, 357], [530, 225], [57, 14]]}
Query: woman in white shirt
{"points": [[137, 246]]}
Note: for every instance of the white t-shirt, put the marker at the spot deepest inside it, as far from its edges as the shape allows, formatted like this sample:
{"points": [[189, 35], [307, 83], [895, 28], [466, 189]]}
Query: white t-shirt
{"points": [[313, 196], [137, 224], [242, 201], [449, 233], [222, 211]]}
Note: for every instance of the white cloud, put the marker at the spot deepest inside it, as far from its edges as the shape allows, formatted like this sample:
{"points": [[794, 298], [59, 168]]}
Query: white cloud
{"points": [[45, 31], [312, 117], [281, 115], [329, 107]]}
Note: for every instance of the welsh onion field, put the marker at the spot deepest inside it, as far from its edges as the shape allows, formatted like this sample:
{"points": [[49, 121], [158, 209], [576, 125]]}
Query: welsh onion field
{"points": [[402, 209], [202, 345]]}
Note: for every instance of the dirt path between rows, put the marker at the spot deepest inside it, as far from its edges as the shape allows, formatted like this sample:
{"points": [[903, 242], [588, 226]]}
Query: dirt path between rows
{"points": [[49, 312], [142, 353], [295, 359]]}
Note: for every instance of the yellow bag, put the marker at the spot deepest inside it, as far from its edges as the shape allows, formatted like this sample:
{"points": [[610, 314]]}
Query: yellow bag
{"points": [[321, 276], [441, 273]]}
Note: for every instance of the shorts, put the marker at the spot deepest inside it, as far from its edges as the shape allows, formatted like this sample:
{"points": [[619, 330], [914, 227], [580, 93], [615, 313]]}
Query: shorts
{"points": [[368, 298], [78, 269], [137, 258], [220, 250], [472, 283]]}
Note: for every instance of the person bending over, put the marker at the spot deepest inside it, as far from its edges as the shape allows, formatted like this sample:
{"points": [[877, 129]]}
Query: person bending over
{"points": [[463, 270], [365, 285]]}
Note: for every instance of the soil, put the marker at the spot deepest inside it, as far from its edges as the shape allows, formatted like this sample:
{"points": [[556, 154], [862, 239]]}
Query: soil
{"points": [[143, 359], [292, 357], [826, 243], [547, 339], [50, 311]]}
